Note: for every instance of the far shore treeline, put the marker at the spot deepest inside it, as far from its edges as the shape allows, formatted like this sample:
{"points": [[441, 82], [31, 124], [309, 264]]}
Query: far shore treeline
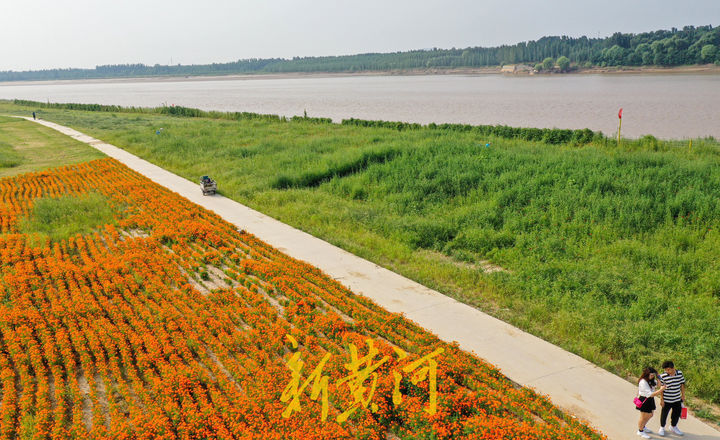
{"points": [[691, 45]]}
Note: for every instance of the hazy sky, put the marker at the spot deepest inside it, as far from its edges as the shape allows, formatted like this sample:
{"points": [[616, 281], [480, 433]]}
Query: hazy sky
{"points": [[36, 34]]}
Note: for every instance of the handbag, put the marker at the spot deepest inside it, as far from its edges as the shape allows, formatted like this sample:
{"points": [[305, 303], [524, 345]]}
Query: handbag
{"points": [[638, 403]]}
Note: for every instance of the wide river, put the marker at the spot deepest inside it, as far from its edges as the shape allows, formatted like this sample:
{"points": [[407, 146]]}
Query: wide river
{"points": [[666, 106]]}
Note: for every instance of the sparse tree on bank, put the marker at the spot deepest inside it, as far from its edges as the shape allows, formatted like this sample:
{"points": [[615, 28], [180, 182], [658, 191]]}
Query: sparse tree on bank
{"points": [[563, 63], [548, 64]]}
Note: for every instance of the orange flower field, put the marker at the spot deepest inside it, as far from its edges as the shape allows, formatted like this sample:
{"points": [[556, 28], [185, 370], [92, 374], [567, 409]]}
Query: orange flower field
{"points": [[172, 323]]}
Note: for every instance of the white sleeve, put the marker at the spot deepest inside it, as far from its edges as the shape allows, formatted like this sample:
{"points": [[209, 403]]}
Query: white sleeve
{"points": [[644, 388]]}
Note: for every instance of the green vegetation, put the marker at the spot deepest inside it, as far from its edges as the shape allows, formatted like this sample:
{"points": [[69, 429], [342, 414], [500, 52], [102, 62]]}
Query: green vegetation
{"points": [[548, 63], [610, 252], [548, 135], [26, 146], [563, 63], [62, 217], [8, 156], [691, 45]]}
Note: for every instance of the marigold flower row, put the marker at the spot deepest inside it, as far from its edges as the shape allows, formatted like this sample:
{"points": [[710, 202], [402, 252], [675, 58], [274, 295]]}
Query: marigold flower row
{"points": [[171, 323]]}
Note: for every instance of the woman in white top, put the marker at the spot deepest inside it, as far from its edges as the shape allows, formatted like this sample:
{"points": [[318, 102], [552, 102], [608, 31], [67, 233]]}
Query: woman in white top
{"points": [[647, 393]]}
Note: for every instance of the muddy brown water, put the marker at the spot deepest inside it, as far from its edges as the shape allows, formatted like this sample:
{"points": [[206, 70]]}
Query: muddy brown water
{"points": [[664, 105]]}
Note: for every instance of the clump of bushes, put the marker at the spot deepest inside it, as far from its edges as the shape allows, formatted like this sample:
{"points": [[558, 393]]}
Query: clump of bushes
{"points": [[549, 135]]}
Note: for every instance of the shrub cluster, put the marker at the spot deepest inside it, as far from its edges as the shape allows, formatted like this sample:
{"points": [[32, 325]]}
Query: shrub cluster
{"points": [[549, 135], [84, 107], [313, 178], [174, 110], [311, 120], [395, 125]]}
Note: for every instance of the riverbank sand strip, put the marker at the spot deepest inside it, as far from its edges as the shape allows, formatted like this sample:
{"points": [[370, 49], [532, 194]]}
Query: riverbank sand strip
{"points": [[574, 384]]}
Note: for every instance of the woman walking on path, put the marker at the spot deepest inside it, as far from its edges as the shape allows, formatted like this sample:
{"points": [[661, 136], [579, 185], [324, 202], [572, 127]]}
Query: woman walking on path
{"points": [[647, 393]]}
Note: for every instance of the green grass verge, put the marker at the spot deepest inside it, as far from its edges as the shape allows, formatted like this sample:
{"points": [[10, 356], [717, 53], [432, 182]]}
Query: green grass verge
{"points": [[8, 156], [612, 253], [62, 217], [26, 147]]}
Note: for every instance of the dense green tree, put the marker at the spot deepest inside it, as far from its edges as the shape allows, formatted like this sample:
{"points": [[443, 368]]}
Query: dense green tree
{"points": [[708, 53], [548, 63], [614, 56], [644, 53], [691, 45], [563, 63]]}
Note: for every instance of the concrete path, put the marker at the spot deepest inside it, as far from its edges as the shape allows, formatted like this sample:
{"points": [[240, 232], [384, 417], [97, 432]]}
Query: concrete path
{"points": [[574, 384]]}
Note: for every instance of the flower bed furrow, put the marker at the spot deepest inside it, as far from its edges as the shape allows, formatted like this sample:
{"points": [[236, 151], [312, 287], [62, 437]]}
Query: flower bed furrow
{"points": [[103, 335]]}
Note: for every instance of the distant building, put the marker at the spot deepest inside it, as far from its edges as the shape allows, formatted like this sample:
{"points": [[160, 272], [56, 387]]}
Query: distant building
{"points": [[517, 68]]}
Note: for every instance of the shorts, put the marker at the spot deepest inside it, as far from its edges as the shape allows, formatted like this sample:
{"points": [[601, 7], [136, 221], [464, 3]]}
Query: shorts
{"points": [[648, 405]]}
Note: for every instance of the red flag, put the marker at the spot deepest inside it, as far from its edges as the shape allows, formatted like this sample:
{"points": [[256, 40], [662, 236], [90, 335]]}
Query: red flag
{"points": [[620, 113]]}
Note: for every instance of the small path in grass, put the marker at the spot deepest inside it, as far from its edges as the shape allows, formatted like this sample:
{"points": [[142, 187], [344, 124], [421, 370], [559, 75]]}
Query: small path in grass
{"points": [[574, 384]]}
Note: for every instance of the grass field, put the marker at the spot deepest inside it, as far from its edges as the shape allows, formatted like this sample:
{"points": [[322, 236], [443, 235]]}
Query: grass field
{"points": [[26, 147], [612, 253], [59, 218]]}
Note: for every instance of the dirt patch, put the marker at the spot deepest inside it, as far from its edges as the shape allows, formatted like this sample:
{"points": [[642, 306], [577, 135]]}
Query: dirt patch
{"points": [[118, 399], [582, 413], [207, 370], [86, 402], [136, 233], [699, 68], [706, 411], [51, 391], [193, 282], [218, 279], [488, 267], [359, 275], [273, 302], [102, 398], [484, 265], [536, 418]]}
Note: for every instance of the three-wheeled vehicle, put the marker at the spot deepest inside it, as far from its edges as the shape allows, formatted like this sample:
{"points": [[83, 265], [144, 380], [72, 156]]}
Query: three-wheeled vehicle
{"points": [[207, 185]]}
